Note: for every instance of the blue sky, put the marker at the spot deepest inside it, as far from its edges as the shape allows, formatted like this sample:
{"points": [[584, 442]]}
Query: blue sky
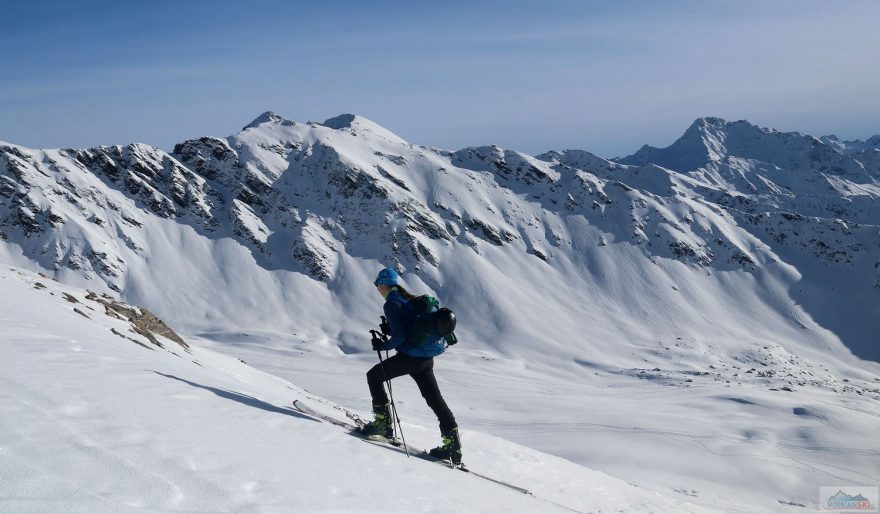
{"points": [[601, 76]]}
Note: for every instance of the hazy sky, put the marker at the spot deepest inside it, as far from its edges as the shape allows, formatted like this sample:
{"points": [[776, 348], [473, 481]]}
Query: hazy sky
{"points": [[603, 76]]}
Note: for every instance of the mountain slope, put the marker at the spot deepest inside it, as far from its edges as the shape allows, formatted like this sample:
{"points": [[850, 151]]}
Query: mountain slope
{"points": [[814, 201], [98, 418], [305, 197], [736, 288]]}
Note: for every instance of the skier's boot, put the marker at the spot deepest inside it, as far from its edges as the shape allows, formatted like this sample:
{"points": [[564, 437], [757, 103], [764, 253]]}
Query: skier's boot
{"points": [[451, 447], [381, 425]]}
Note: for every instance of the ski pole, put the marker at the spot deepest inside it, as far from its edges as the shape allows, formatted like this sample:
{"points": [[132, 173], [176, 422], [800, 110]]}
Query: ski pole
{"points": [[393, 407], [391, 395]]}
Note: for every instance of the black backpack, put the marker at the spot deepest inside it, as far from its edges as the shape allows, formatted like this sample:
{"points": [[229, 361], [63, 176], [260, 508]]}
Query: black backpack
{"points": [[432, 321]]}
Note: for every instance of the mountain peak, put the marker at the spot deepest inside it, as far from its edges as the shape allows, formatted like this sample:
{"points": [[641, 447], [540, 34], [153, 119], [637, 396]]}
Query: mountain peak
{"points": [[357, 122], [852, 147], [709, 121], [711, 139], [707, 124], [340, 122], [719, 128], [266, 117], [702, 142]]}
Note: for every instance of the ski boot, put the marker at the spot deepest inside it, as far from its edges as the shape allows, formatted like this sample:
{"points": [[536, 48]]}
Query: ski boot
{"points": [[380, 427], [450, 449]]}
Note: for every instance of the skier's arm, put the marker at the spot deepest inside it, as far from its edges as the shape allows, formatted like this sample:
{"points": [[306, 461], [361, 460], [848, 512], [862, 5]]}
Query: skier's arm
{"points": [[398, 328]]}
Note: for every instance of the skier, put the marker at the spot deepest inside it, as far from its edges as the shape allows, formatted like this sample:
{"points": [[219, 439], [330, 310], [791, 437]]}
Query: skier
{"points": [[413, 358]]}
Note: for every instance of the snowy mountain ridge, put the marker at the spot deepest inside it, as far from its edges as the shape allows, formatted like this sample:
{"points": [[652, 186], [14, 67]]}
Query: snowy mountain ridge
{"points": [[725, 196], [737, 259]]}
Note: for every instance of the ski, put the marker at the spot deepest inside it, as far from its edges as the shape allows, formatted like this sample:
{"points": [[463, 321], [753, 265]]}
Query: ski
{"points": [[354, 429], [300, 406]]}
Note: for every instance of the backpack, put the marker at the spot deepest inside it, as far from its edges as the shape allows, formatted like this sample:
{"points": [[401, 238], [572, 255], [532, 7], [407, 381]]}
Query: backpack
{"points": [[431, 322]]}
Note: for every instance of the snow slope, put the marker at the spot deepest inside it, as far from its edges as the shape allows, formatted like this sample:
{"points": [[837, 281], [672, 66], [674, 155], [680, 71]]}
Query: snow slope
{"points": [[685, 319], [96, 418]]}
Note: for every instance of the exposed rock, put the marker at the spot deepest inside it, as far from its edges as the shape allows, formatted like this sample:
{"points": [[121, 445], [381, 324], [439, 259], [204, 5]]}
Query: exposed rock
{"points": [[143, 322]]}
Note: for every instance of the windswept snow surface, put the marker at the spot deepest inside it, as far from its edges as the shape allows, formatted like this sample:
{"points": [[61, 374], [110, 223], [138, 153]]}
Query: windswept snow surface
{"points": [[95, 422], [692, 320]]}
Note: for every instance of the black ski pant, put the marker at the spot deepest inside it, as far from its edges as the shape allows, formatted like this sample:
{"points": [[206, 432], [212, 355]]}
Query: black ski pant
{"points": [[422, 371]]}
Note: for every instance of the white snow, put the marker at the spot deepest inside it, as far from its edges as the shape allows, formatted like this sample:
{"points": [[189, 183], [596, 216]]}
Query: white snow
{"points": [[689, 330], [93, 422]]}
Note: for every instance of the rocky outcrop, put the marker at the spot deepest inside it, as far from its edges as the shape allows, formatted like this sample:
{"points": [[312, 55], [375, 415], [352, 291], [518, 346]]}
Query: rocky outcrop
{"points": [[143, 322]]}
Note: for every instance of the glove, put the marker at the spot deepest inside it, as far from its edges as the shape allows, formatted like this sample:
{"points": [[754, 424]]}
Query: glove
{"points": [[384, 326], [378, 341]]}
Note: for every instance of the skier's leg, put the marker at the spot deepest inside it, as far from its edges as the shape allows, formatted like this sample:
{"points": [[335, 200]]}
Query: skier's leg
{"points": [[394, 366], [390, 368], [427, 383], [451, 447]]}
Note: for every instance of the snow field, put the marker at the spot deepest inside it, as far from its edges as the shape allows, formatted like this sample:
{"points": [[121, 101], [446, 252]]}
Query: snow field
{"points": [[93, 422]]}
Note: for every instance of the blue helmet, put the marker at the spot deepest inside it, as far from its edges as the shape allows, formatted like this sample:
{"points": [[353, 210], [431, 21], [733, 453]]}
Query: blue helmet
{"points": [[386, 277]]}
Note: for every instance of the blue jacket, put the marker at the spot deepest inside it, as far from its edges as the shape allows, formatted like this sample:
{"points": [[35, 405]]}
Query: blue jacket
{"points": [[401, 317]]}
